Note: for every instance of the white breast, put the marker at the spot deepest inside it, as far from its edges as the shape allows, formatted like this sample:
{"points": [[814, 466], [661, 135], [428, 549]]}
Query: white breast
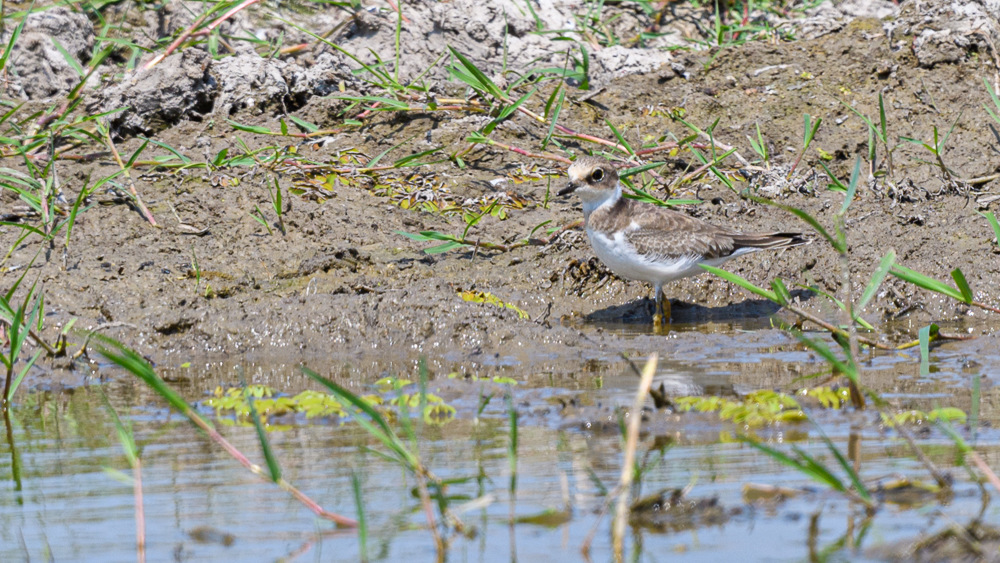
{"points": [[623, 259]]}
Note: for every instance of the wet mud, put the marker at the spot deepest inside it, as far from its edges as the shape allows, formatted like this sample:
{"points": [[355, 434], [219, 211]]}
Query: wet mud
{"points": [[341, 283]]}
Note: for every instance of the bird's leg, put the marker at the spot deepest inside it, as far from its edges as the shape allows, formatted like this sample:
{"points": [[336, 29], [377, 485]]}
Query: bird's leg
{"points": [[661, 316], [658, 310]]}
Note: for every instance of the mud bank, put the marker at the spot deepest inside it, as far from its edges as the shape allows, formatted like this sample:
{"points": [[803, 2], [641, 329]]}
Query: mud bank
{"points": [[341, 282]]}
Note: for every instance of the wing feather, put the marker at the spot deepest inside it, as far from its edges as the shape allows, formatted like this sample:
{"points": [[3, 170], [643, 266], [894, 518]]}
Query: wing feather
{"points": [[665, 234]]}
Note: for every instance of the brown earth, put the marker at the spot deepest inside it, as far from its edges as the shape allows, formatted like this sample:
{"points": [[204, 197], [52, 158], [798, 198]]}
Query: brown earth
{"points": [[341, 284]]}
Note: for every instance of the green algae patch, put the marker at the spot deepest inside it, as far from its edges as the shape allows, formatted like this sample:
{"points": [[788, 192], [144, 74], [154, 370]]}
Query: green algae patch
{"points": [[947, 414], [271, 404], [766, 406], [755, 409]]}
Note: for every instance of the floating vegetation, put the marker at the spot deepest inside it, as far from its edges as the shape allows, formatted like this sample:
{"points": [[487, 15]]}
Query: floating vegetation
{"points": [[490, 299], [947, 414], [757, 408], [312, 404], [768, 407], [498, 379]]}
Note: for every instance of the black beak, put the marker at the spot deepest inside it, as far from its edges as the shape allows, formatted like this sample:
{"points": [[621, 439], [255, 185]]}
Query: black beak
{"points": [[569, 189]]}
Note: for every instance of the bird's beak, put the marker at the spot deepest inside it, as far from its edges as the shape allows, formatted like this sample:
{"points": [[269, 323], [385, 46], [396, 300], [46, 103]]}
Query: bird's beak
{"points": [[570, 188]]}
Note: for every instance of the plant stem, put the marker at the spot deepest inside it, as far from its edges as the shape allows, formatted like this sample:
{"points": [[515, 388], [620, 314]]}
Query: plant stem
{"points": [[857, 398], [425, 501], [256, 470], [140, 516], [128, 179], [628, 463]]}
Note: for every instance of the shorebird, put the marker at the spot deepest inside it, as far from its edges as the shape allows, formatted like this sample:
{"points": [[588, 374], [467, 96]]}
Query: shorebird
{"points": [[645, 242]]}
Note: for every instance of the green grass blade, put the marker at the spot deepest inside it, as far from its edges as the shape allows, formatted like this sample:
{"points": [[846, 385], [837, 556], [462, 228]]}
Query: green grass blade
{"points": [[959, 442], [989, 90], [386, 80], [28, 228], [818, 471], [852, 187], [859, 485], [924, 336], [555, 117], [378, 157], [277, 197], [20, 375], [162, 145], [877, 278], [415, 236], [411, 160], [944, 141], [917, 142], [809, 219], [811, 129], [362, 520], [640, 194], [135, 155], [551, 100], [868, 122], [512, 443], [882, 121], [13, 287], [823, 350], [584, 67], [928, 283], [962, 284], [792, 463], [70, 59], [305, 125], [120, 355], [762, 144], [431, 235], [625, 173], [265, 445], [840, 305], [3, 119], [742, 282], [250, 128], [385, 104], [448, 246], [373, 421], [125, 434], [17, 331], [14, 36], [505, 113], [781, 291], [993, 223], [621, 140], [346, 395], [484, 82]]}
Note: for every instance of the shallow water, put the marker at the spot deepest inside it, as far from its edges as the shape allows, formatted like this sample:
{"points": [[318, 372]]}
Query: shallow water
{"points": [[64, 499]]}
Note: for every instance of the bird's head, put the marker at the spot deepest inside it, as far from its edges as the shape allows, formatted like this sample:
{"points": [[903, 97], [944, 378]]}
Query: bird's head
{"points": [[592, 178]]}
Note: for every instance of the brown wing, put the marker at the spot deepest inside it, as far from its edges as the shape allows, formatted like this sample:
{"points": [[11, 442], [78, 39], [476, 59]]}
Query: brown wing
{"points": [[666, 234]]}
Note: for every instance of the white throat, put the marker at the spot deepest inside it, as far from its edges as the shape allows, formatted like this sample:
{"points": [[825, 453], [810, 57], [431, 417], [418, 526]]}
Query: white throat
{"points": [[596, 199]]}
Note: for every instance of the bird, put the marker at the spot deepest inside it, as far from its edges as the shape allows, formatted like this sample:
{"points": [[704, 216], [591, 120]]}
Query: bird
{"points": [[645, 242]]}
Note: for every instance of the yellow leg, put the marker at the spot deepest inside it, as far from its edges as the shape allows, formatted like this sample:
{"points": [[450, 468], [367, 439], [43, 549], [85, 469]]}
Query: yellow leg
{"points": [[661, 315]]}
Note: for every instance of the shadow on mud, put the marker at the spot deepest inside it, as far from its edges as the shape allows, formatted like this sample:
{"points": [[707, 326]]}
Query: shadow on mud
{"points": [[640, 311]]}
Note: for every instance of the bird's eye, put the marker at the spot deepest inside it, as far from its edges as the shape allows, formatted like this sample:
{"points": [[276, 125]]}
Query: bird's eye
{"points": [[597, 175]]}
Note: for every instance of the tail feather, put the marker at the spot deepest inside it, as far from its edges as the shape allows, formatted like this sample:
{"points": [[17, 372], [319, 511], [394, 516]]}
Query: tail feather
{"points": [[770, 240]]}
